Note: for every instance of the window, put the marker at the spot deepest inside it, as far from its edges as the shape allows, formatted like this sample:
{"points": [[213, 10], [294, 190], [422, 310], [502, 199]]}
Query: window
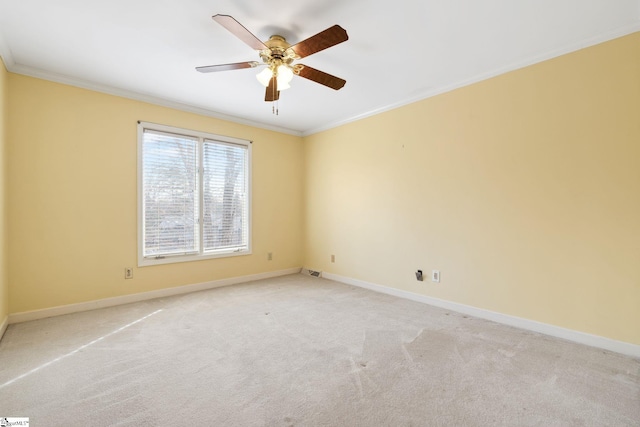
{"points": [[193, 195]]}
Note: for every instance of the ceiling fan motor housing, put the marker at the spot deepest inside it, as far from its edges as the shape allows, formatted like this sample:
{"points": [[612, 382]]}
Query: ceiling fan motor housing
{"points": [[278, 52]]}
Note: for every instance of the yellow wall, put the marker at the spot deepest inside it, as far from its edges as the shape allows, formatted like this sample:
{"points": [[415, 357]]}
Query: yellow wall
{"points": [[4, 276], [523, 190], [72, 197]]}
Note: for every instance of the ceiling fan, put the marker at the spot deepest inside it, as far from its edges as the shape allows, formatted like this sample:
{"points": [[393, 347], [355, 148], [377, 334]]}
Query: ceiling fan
{"points": [[278, 56]]}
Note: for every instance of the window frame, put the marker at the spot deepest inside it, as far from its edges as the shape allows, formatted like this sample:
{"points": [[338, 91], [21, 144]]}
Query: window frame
{"points": [[201, 255]]}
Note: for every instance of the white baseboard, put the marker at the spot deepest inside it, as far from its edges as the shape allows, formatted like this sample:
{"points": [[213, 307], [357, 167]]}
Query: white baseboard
{"points": [[143, 296], [531, 325], [3, 326]]}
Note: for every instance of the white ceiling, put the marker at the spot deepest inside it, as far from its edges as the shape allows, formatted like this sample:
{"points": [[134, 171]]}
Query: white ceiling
{"points": [[396, 53]]}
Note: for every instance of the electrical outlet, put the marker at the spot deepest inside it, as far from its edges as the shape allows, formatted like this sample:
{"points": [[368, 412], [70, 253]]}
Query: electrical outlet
{"points": [[333, 258], [128, 273], [435, 276], [270, 256]]}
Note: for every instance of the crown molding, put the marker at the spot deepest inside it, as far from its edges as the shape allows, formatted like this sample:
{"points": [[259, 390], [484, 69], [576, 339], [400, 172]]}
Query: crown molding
{"points": [[5, 54], [137, 96], [431, 92]]}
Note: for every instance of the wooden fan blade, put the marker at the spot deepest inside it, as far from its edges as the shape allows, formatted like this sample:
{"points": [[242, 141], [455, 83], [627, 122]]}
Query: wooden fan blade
{"points": [[321, 77], [238, 30], [324, 39], [226, 67], [272, 93]]}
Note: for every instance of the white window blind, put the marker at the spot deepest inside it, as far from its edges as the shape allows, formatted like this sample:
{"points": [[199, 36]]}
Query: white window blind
{"points": [[170, 194], [194, 195], [225, 194]]}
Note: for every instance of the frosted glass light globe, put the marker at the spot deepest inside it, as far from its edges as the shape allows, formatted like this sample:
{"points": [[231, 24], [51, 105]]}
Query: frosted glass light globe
{"points": [[264, 76]]}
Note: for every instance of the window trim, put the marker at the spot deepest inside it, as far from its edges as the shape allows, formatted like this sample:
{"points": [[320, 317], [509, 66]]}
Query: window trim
{"points": [[182, 257]]}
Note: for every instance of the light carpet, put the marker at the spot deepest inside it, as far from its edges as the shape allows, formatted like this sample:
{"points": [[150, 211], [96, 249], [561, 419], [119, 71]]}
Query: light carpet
{"points": [[302, 351]]}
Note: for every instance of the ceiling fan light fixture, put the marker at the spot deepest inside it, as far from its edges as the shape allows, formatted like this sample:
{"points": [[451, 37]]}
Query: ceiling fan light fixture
{"points": [[284, 75], [283, 86], [264, 76]]}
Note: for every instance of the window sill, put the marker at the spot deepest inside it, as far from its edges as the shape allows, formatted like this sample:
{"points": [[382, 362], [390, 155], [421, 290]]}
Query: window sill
{"points": [[173, 259]]}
